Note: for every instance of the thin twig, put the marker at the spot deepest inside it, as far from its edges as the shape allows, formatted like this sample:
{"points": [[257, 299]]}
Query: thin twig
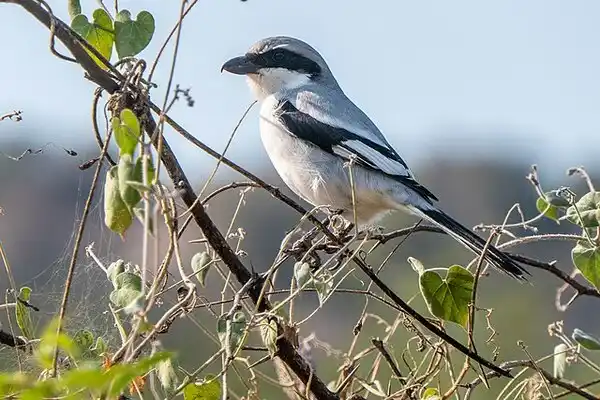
{"points": [[379, 345], [96, 129], [528, 364]]}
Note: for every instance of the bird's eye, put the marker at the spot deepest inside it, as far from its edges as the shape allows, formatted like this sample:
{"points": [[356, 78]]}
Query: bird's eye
{"points": [[278, 55]]}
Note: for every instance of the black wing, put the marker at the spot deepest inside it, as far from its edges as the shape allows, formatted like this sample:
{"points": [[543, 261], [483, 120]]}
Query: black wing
{"points": [[343, 143]]}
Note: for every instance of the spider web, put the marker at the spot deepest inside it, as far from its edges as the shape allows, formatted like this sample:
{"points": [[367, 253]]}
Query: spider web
{"points": [[87, 307]]}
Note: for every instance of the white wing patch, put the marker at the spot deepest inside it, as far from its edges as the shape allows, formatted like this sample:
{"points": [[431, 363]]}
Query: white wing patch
{"points": [[371, 157], [351, 119]]}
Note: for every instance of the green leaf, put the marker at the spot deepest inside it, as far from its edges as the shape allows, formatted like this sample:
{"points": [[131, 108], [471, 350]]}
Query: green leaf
{"points": [[23, 313], [560, 360], [586, 259], [99, 33], [117, 216], [302, 273], [128, 290], [555, 198], [74, 8], [42, 390], [126, 129], [139, 170], [126, 173], [208, 389], [133, 36], [268, 333], [547, 209], [123, 374], [139, 186], [585, 340], [431, 394], [129, 120], [200, 266], [128, 280], [86, 378], [100, 347], [448, 298], [13, 383], [323, 286], [589, 209], [84, 340], [49, 341], [114, 269], [238, 326]]}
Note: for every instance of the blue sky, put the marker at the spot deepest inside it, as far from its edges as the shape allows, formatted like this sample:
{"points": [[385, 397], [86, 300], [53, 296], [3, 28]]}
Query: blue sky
{"points": [[504, 77]]}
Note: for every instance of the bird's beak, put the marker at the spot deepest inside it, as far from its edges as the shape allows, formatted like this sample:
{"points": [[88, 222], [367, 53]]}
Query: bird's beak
{"points": [[240, 66]]}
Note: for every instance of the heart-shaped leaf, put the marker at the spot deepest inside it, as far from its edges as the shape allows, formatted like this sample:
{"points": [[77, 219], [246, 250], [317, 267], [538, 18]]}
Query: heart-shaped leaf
{"points": [[126, 129], [302, 273], [128, 290], [99, 33], [133, 36], [128, 280], [117, 216], [589, 210], [586, 258], [200, 266], [208, 389], [114, 269], [123, 298], [431, 394], [556, 198], [585, 340], [323, 286], [238, 325], [268, 333], [448, 298], [547, 209]]}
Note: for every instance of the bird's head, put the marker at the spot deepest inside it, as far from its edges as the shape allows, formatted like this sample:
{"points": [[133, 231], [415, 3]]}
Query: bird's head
{"points": [[278, 64]]}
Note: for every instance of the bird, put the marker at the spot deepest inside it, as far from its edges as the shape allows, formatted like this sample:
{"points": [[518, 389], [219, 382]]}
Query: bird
{"points": [[330, 153]]}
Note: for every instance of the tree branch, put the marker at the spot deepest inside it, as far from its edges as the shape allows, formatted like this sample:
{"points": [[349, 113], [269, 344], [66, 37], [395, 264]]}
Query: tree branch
{"points": [[286, 350], [531, 365]]}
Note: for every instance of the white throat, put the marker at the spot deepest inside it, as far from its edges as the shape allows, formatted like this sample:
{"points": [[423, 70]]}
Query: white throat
{"points": [[274, 80]]}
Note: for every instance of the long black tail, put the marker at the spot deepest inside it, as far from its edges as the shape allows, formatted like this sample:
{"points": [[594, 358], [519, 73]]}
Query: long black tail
{"points": [[473, 242]]}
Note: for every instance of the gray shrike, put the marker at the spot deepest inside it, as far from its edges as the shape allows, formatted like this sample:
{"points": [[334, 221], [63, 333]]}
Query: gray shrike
{"points": [[311, 131]]}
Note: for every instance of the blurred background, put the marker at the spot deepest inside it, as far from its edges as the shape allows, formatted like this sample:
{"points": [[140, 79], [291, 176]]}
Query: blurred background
{"points": [[470, 93]]}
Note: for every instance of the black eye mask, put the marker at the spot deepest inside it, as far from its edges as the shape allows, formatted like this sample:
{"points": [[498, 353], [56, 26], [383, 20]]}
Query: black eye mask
{"points": [[283, 58]]}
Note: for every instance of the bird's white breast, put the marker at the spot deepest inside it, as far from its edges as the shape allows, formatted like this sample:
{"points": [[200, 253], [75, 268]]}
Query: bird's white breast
{"points": [[301, 165], [319, 177]]}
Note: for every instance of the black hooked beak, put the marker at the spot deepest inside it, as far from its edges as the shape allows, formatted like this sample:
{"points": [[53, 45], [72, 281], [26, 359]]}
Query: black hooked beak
{"points": [[240, 66]]}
